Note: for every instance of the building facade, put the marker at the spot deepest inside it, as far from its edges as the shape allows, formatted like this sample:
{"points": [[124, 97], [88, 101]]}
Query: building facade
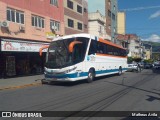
{"points": [[97, 25], [121, 23], [147, 51], [111, 10], [123, 40], [25, 26], [76, 16], [135, 49], [133, 43]]}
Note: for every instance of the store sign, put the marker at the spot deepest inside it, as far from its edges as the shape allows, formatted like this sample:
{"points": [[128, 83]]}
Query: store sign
{"points": [[50, 35], [21, 46]]}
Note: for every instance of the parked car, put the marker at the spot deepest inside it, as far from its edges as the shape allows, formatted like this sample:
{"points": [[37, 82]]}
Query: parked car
{"points": [[148, 65], [132, 67], [141, 64], [156, 65]]}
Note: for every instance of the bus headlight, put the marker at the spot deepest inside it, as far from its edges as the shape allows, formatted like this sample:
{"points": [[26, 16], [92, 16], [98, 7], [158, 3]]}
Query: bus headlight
{"points": [[70, 70]]}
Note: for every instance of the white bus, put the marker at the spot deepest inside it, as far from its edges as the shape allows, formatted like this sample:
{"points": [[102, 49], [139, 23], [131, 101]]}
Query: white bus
{"points": [[83, 56]]}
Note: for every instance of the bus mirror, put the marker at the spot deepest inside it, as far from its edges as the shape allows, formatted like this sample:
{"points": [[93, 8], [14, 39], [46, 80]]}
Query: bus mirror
{"points": [[72, 44], [41, 49]]}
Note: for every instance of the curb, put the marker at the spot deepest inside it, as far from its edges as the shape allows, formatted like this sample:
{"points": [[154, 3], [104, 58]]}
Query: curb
{"points": [[21, 86]]}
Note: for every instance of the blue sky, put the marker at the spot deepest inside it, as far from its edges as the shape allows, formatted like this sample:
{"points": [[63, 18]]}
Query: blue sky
{"points": [[145, 22]]}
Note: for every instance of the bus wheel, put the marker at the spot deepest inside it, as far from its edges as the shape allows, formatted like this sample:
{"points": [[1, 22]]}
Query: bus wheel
{"points": [[120, 71], [91, 76]]}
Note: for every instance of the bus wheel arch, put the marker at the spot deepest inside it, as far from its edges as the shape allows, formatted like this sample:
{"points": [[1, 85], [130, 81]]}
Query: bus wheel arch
{"points": [[120, 70], [91, 75]]}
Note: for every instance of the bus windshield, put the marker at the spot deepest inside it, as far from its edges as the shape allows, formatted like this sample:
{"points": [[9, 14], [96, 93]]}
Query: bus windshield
{"points": [[66, 52]]}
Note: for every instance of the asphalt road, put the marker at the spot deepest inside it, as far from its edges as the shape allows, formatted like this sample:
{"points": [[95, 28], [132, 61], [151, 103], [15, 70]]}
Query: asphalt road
{"points": [[129, 92]]}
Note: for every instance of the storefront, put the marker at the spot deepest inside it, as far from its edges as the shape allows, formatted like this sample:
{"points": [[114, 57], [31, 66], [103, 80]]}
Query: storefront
{"points": [[19, 57]]}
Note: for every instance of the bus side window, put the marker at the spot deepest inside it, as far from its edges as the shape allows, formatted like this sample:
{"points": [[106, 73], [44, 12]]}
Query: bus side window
{"points": [[93, 47]]}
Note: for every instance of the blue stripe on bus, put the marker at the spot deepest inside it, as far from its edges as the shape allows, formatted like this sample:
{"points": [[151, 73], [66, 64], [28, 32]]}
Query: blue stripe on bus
{"points": [[83, 74]]}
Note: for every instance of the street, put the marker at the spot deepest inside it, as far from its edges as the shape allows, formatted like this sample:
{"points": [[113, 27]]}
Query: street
{"points": [[129, 92]]}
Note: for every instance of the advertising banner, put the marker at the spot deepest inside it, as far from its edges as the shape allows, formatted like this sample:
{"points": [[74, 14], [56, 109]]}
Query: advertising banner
{"points": [[21, 46]]}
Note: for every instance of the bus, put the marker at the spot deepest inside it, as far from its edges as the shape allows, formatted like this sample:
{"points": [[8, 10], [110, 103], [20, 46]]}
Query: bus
{"points": [[82, 56]]}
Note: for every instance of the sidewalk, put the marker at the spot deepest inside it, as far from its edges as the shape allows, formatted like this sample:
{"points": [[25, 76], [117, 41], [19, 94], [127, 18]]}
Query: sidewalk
{"points": [[20, 82]]}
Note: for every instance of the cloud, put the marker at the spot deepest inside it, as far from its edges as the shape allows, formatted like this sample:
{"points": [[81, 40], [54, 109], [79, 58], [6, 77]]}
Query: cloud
{"points": [[153, 38], [155, 15]]}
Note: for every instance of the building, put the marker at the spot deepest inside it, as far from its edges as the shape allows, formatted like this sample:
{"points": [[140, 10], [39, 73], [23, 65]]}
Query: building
{"points": [[97, 25], [147, 51], [111, 9], [123, 40], [131, 42], [135, 50], [76, 16], [25, 26], [121, 23]]}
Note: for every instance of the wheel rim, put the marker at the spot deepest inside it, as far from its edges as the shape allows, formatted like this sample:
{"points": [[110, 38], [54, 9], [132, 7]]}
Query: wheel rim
{"points": [[120, 72], [90, 76]]}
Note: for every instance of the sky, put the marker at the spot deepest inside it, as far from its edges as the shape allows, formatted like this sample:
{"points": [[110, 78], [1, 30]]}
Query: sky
{"points": [[144, 22]]}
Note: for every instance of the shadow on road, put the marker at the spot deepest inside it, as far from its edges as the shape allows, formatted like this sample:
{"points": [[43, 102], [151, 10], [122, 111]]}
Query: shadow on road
{"points": [[152, 98], [68, 84], [157, 71], [133, 87]]}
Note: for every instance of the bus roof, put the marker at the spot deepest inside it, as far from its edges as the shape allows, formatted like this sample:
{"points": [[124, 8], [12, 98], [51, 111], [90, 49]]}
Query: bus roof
{"points": [[87, 36], [72, 36]]}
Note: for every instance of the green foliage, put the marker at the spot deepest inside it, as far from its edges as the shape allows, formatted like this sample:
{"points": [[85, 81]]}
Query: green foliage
{"points": [[129, 59], [148, 61], [137, 59]]}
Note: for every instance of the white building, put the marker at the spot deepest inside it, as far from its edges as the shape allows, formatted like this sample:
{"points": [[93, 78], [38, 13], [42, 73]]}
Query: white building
{"points": [[97, 25], [132, 43], [135, 49]]}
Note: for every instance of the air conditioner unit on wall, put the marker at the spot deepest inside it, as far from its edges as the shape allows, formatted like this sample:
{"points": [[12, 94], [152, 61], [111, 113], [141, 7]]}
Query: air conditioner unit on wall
{"points": [[21, 28], [5, 24], [54, 28]]}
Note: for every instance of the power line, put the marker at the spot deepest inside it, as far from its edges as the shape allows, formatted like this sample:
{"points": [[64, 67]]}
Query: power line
{"points": [[140, 8]]}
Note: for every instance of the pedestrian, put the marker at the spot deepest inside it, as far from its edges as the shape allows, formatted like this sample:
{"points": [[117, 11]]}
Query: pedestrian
{"points": [[138, 67]]}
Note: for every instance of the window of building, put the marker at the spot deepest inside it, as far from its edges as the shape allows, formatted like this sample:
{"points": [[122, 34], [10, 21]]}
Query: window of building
{"points": [[114, 7], [79, 26], [15, 16], [100, 29], [55, 25], [54, 2], [113, 16], [85, 26], [114, 30], [109, 27], [79, 9], [109, 2], [37, 21], [70, 23], [85, 10], [69, 4], [109, 13]]}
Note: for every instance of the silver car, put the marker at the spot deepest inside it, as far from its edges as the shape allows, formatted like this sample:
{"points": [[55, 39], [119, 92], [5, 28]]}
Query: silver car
{"points": [[132, 67]]}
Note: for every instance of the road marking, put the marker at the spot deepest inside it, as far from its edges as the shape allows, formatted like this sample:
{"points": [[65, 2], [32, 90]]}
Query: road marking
{"points": [[21, 86]]}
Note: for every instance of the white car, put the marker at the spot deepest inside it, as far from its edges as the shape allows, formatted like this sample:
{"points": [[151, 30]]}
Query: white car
{"points": [[156, 65], [132, 67]]}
